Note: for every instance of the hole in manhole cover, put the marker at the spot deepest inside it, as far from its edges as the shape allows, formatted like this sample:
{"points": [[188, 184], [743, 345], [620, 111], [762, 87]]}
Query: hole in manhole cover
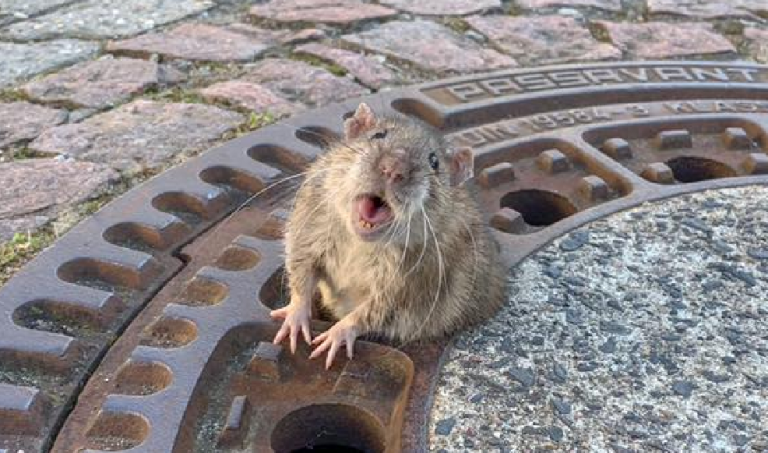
{"points": [[694, 169], [148, 325], [328, 427], [538, 207]]}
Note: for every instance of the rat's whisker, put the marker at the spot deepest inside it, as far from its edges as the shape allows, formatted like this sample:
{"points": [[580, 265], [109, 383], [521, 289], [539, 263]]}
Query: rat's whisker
{"points": [[324, 202], [440, 272], [312, 174], [423, 248], [474, 252]]}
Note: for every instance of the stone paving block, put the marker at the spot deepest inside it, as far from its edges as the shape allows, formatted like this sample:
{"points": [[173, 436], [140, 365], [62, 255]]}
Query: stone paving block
{"points": [[277, 36], [251, 96], [299, 81], [33, 190], [608, 5], [21, 61], [654, 40], [443, 7], [140, 135], [337, 12], [544, 39], [196, 42], [308, 34], [108, 81], [24, 121], [366, 68], [756, 40], [709, 9], [430, 46], [97, 19], [14, 10]]}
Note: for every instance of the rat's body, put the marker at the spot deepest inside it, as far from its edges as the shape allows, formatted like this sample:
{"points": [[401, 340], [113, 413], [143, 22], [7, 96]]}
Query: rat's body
{"points": [[396, 245]]}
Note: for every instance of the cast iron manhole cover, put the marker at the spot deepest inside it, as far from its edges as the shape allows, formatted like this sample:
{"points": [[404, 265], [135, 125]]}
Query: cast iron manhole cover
{"points": [[146, 327]]}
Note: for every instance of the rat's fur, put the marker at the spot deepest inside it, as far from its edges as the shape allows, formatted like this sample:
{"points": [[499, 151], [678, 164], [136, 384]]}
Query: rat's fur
{"points": [[446, 279]]}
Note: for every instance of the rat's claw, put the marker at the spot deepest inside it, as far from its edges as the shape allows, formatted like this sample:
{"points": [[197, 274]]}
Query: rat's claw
{"points": [[333, 339], [280, 313], [295, 321], [306, 332], [280, 336], [335, 345], [350, 347]]}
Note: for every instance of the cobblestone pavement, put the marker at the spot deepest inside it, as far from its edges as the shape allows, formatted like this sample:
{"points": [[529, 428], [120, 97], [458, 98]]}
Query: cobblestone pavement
{"points": [[96, 96]]}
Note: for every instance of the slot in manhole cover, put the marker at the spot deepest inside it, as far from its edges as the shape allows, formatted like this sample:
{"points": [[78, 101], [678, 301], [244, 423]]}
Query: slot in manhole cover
{"points": [[164, 310]]}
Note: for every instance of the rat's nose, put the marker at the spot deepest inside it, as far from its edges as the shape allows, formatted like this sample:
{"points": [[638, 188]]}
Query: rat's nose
{"points": [[392, 169]]}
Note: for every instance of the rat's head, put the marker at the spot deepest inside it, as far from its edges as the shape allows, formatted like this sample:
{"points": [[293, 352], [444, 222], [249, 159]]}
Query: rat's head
{"points": [[399, 170]]}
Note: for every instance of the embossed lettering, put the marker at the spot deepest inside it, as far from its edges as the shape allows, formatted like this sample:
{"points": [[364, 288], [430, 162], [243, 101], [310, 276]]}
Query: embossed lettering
{"points": [[488, 134], [499, 131], [724, 107], [603, 75], [500, 87], [535, 82], [470, 138], [466, 91], [682, 107], [569, 79], [667, 74], [751, 107], [639, 74], [710, 74], [637, 110], [745, 72], [522, 83]]}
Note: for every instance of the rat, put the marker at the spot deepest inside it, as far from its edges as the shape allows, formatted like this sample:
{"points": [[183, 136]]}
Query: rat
{"points": [[386, 229]]}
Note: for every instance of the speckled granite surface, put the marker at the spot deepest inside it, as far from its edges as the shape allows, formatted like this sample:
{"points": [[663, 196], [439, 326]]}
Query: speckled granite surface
{"points": [[645, 331]]}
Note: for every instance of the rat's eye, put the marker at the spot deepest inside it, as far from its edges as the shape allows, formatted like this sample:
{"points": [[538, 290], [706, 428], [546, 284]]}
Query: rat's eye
{"points": [[433, 161], [381, 135]]}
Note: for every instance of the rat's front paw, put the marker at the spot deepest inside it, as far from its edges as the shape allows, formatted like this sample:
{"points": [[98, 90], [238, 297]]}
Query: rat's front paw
{"points": [[295, 318], [341, 333]]}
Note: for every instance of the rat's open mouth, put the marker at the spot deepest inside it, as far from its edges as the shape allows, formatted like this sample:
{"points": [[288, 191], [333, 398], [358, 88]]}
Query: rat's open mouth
{"points": [[372, 213]]}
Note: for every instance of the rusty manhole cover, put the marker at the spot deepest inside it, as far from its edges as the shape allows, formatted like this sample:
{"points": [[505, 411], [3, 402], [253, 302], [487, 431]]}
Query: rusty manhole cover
{"points": [[146, 328]]}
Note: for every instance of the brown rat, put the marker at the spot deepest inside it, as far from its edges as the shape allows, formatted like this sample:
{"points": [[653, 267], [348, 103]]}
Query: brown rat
{"points": [[385, 228]]}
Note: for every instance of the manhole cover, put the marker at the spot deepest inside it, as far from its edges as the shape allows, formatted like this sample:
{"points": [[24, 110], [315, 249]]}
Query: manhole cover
{"points": [[146, 328]]}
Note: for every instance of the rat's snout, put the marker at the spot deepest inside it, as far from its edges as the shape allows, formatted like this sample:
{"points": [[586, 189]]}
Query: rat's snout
{"points": [[392, 168]]}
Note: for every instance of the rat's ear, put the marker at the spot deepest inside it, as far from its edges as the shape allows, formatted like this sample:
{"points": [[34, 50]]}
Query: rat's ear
{"points": [[462, 163], [362, 121]]}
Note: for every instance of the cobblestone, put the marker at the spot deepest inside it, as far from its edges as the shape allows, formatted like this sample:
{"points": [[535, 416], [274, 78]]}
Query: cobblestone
{"points": [[11, 10], [250, 96], [20, 121], [656, 40], [110, 81], [430, 46], [338, 12], [609, 5], [97, 19], [443, 7], [31, 191], [299, 81], [21, 61], [196, 42], [543, 40], [139, 136], [369, 70], [757, 43], [709, 9]]}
